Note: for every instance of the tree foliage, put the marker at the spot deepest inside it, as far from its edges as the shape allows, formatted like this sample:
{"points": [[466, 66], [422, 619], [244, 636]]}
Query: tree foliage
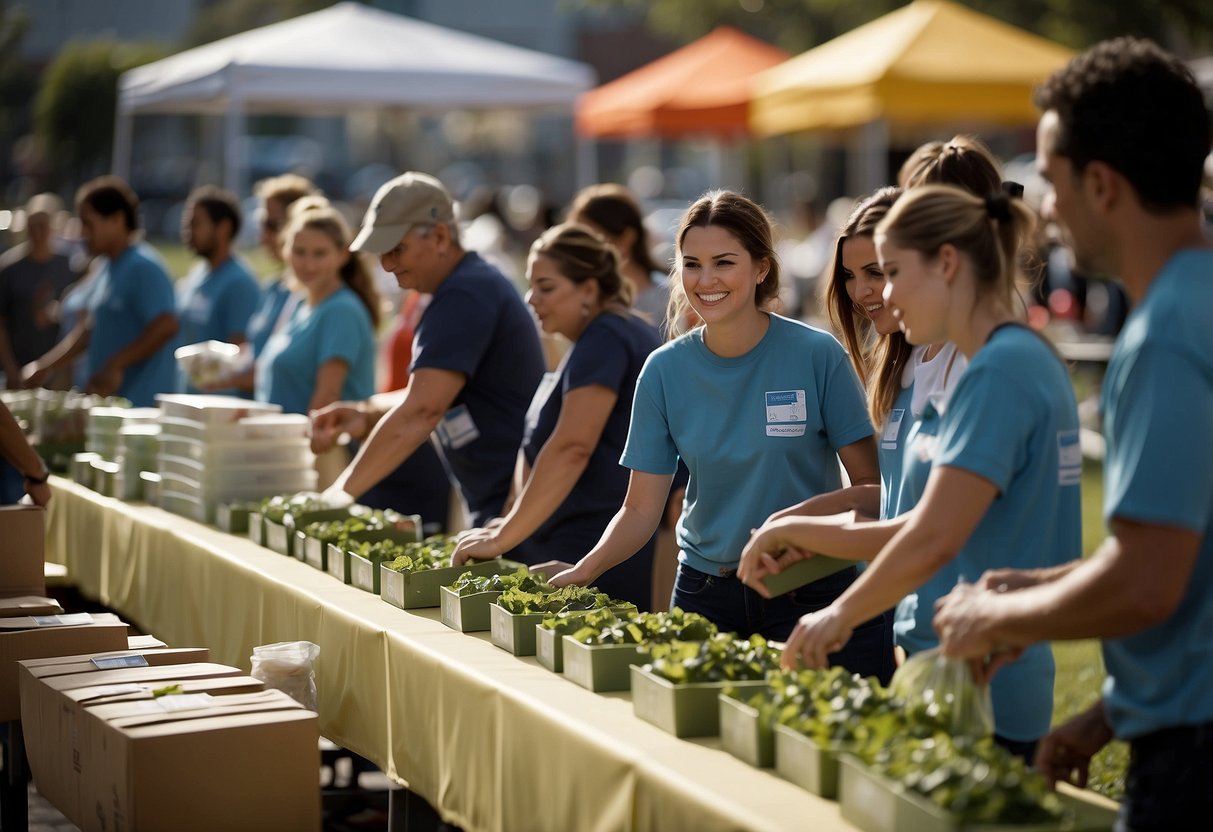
{"points": [[222, 18], [74, 110], [1184, 26]]}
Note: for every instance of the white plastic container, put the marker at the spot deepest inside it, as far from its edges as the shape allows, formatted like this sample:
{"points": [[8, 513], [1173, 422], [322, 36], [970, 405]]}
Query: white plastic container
{"points": [[212, 410], [274, 427], [273, 453]]}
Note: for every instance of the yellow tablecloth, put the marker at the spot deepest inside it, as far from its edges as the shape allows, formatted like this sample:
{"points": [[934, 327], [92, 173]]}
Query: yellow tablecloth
{"points": [[493, 741]]}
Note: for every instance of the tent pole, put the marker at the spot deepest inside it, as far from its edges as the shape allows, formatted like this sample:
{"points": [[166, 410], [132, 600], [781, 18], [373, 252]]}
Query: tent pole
{"points": [[123, 128], [233, 162]]}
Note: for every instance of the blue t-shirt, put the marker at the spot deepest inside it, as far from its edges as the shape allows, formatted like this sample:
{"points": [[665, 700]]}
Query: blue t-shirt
{"points": [[609, 353], [477, 325], [131, 293], [891, 452], [214, 305], [1158, 420], [265, 316], [1013, 421], [338, 327], [758, 432]]}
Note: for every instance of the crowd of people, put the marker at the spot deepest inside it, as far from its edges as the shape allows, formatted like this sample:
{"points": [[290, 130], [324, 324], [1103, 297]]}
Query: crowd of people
{"points": [[954, 423]]}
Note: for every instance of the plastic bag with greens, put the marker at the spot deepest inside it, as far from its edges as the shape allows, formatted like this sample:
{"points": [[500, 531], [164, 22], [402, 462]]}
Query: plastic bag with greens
{"points": [[944, 688]]}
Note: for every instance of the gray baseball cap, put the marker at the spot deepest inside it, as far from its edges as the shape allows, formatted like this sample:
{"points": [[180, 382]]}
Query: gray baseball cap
{"points": [[401, 203]]}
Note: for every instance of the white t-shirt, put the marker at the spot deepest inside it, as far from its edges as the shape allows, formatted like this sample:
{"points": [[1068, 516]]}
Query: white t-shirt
{"points": [[934, 379]]}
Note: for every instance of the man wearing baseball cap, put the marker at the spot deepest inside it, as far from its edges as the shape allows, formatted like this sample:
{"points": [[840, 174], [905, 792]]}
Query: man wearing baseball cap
{"points": [[476, 357]]}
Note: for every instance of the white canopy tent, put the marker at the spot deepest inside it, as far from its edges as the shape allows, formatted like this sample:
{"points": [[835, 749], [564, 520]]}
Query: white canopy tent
{"points": [[330, 61]]}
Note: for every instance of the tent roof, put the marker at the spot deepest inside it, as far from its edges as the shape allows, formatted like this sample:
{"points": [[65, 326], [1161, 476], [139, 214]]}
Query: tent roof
{"points": [[704, 87], [931, 61], [351, 54]]}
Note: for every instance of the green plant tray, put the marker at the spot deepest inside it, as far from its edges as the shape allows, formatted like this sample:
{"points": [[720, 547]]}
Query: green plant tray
{"points": [[804, 572], [415, 590], [549, 649], [875, 804], [800, 760], [256, 527], [515, 633], [691, 710], [234, 517], [468, 613], [600, 667], [743, 735]]}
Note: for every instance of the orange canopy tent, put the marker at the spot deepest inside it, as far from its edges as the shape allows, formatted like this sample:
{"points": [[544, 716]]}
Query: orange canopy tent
{"points": [[701, 89]]}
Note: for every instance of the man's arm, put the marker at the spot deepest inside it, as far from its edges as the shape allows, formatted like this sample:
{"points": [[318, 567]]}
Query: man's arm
{"points": [[428, 397], [155, 335]]}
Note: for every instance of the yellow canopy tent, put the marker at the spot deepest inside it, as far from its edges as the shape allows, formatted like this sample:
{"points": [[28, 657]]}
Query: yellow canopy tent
{"points": [[929, 63]]}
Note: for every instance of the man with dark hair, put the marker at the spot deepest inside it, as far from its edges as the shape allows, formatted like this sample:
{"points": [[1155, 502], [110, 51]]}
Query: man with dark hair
{"points": [[128, 332], [33, 276], [1122, 141], [217, 298]]}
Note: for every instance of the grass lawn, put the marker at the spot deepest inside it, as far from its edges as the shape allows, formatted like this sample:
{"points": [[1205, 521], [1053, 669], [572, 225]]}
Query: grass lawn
{"points": [[180, 259], [1080, 670]]}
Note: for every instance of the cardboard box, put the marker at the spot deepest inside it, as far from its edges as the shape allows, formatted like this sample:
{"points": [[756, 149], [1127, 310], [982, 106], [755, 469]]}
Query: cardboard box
{"points": [[601, 667], [743, 734], [691, 710], [467, 613], [802, 761], [23, 638], [876, 804], [22, 538], [144, 642], [27, 605], [233, 767], [414, 590], [55, 703]]}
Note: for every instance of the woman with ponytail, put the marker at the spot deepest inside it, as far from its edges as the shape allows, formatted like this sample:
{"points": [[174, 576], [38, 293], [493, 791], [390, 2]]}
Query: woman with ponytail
{"points": [[569, 482], [998, 466], [326, 351]]}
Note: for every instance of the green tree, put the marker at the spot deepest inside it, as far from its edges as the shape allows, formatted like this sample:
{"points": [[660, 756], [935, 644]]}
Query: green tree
{"points": [[74, 111], [221, 18], [1185, 26], [17, 83]]}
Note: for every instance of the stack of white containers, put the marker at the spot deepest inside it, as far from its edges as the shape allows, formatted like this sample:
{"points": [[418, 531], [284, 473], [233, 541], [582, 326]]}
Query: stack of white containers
{"points": [[223, 449], [138, 446], [103, 441]]}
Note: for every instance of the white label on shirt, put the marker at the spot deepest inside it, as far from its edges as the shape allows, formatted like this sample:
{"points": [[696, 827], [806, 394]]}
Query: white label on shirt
{"points": [[923, 447], [1069, 457], [892, 428], [457, 428], [784, 407]]}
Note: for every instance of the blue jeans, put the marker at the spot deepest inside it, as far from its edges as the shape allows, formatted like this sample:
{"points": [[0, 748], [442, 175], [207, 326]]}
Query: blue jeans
{"points": [[1170, 781], [733, 606]]}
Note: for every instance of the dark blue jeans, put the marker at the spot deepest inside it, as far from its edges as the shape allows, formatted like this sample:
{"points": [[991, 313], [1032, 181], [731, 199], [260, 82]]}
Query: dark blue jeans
{"points": [[733, 606], [1170, 781]]}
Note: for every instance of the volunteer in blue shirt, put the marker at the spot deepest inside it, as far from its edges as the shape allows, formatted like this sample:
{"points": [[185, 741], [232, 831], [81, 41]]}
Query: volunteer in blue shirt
{"points": [[127, 335], [998, 467], [326, 351], [577, 425], [760, 408], [476, 357], [217, 298], [1123, 141], [277, 194]]}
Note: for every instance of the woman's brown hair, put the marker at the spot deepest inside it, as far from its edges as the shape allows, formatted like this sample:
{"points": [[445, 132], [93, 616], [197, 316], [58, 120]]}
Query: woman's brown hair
{"points": [[582, 255], [315, 213]]}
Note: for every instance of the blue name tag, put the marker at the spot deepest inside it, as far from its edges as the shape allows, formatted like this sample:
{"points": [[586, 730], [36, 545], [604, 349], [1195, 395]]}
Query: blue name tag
{"points": [[115, 662]]}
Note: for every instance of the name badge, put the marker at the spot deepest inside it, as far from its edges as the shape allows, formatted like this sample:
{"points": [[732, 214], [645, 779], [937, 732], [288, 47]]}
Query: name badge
{"points": [[457, 428], [786, 413], [1069, 457], [892, 428]]}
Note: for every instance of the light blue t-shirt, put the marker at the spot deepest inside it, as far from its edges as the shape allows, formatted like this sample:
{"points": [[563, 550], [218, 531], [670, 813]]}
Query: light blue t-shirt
{"points": [[127, 297], [1013, 421], [1158, 420], [265, 316], [339, 327], [890, 449], [758, 432], [214, 305]]}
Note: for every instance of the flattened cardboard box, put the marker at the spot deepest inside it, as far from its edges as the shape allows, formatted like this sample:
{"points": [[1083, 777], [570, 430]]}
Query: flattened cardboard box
{"points": [[105, 633], [226, 766], [24, 605], [53, 709], [22, 537]]}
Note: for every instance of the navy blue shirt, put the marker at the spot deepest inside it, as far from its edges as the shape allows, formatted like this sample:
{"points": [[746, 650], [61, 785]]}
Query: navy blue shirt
{"points": [[477, 325], [610, 353]]}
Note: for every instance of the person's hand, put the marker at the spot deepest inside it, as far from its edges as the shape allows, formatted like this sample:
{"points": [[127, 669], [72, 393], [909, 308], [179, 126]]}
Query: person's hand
{"points": [[551, 568], [106, 381], [768, 552], [33, 375], [1065, 753], [478, 544], [965, 624], [335, 496], [39, 493], [1007, 580], [328, 423], [814, 638]]}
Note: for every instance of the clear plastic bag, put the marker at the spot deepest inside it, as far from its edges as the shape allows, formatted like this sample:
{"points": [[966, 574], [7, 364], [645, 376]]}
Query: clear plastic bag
{"points": [[946, 686], [288, 666]]}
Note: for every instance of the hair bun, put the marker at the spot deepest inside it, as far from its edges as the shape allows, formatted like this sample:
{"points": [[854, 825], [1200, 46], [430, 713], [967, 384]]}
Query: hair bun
{"points": [[998, 207]]}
